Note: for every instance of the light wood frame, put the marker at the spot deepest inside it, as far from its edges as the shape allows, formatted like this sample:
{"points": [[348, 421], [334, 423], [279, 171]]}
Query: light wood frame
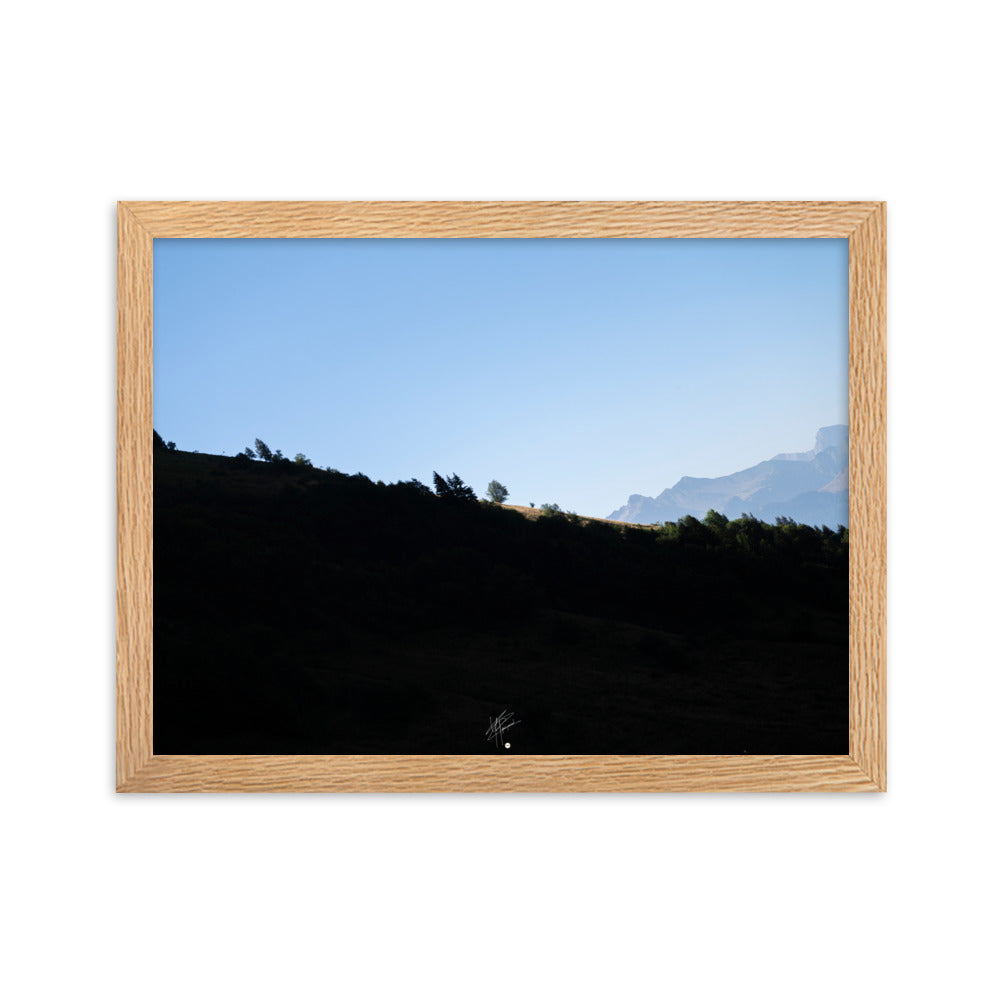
{"points": [[863, 768]]}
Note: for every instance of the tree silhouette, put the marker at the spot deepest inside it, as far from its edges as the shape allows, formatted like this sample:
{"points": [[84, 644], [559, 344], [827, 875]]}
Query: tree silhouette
{"points": [[417, 485], [496, 492], [263, 452], [452, 488], [716, 521]]}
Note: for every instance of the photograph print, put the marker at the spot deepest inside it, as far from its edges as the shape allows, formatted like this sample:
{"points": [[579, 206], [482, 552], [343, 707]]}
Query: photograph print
{"points": [[500, 496]]}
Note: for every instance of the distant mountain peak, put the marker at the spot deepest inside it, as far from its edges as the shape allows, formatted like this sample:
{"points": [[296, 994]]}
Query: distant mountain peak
{"points": [[834, 436], [809, 486]]}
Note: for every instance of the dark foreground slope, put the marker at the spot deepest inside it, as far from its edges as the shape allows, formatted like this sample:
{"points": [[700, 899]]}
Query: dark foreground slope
{"points": [[300, 611]]}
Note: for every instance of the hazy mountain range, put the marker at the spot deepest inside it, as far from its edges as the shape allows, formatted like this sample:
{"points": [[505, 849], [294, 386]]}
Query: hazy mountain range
{"points": [[810, 487]]}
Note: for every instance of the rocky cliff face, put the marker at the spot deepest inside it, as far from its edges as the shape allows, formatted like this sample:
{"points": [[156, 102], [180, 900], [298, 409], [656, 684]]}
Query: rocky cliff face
{"points": [[810, 487]]}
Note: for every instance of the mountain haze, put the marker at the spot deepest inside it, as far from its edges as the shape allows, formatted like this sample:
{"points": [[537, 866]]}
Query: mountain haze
{"points": [[810, 487]]}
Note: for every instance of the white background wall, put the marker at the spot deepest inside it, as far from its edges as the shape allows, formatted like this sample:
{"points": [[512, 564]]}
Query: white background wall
{"points": [[698, 896]]}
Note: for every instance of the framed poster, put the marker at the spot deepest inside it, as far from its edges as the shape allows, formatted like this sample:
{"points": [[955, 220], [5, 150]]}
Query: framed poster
{"points": [[517, 496]]}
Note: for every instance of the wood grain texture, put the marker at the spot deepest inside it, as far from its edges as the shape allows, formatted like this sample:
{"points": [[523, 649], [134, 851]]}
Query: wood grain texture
{"points": [[134, 474], [484, 220], [632, 773], [867, 471], [863, 224]]}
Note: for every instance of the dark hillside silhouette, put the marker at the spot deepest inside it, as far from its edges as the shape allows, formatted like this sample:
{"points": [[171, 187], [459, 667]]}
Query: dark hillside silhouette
{"points": [[307, 611]]}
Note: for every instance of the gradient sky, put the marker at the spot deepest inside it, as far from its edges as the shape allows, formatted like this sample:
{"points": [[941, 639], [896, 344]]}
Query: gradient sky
{"points": [[576, 372]]}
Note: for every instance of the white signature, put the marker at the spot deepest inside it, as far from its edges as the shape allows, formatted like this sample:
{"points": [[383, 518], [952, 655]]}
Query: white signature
{"points": [[498, 726]]}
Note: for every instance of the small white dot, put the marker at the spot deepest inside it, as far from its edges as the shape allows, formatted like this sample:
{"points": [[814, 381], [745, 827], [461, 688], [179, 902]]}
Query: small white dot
{"points": [[507, 745]]}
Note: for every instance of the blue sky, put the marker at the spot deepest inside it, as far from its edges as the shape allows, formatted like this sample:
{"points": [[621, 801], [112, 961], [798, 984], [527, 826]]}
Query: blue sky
{"points": [[576, 372]]}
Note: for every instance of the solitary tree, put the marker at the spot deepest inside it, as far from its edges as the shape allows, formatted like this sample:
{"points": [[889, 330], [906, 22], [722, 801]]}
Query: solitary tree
{"points": [[263, 452], [496, 492]]}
